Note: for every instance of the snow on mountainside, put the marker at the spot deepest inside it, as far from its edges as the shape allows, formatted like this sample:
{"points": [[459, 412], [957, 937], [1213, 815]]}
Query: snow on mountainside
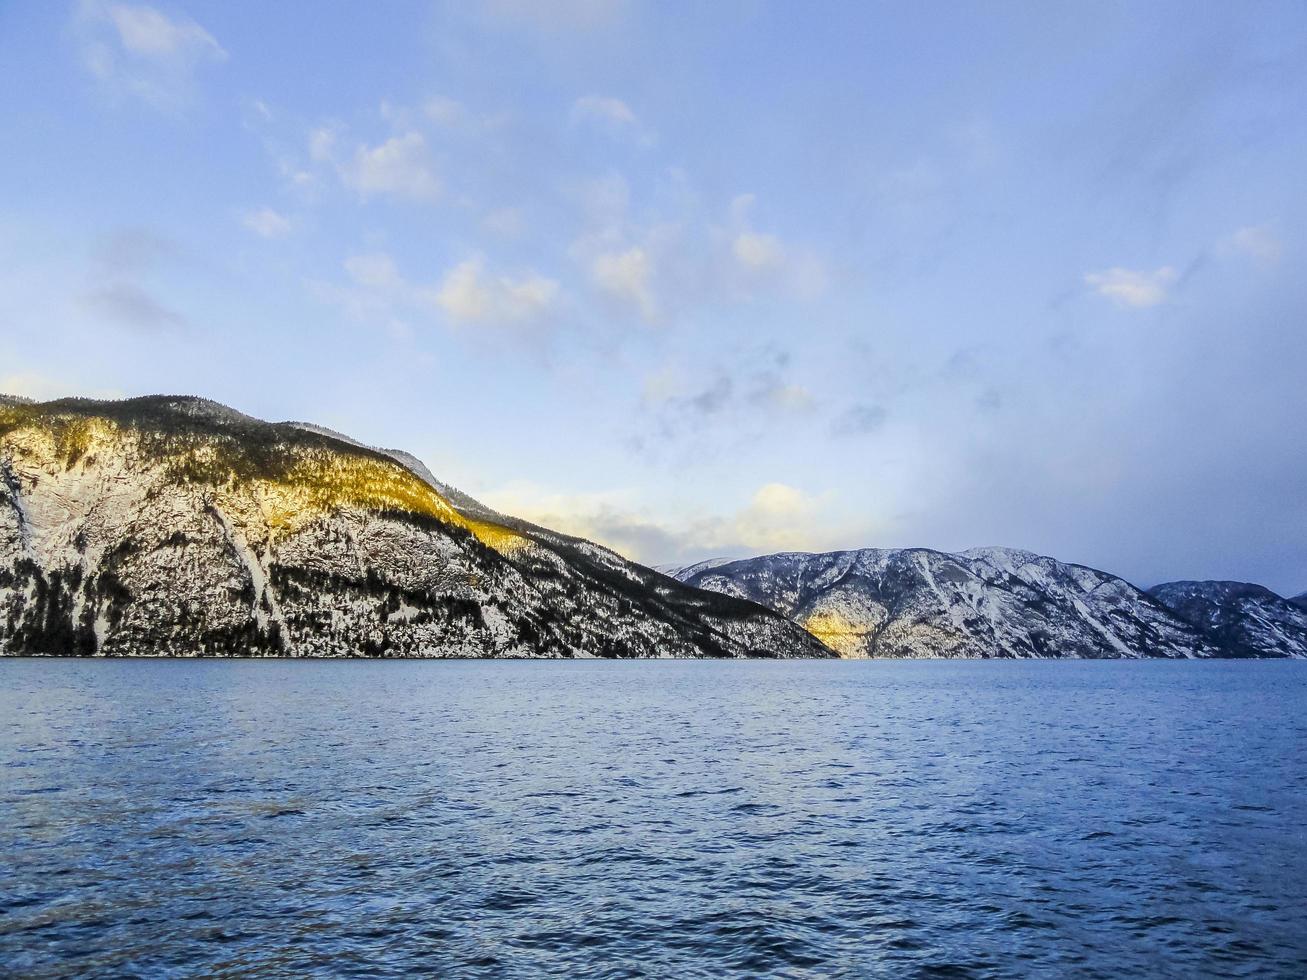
{"points": [[173, 525], [471, 507], [987, 602], [684, 572], [1247, 619]]}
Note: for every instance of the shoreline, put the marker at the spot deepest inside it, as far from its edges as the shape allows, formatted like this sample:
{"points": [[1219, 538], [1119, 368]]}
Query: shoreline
{"points": [[679, 660]]}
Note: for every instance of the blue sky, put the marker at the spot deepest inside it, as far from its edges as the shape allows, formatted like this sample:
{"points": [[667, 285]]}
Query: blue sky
{"points": [[701, 279]]}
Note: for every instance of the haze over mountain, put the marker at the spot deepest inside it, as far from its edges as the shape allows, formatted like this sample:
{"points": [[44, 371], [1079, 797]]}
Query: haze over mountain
{"points": [[178, 526]]}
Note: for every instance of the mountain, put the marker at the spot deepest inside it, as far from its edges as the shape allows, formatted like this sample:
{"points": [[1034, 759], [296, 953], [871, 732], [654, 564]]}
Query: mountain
{"points": [[988, 602], [1300, 600], [1247, 619], [178, 526]]}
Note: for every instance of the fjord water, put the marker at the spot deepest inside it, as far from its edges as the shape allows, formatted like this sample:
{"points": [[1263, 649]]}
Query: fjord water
{"points": [[653, 818]]}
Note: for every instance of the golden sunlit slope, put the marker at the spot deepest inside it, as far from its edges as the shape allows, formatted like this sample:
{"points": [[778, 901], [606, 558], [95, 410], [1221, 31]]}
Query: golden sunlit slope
{"points": [[838, 631], [176, 526], [293, 474]]}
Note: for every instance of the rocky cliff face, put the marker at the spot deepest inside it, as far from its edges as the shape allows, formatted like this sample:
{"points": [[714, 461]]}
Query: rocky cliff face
{"points": [[988, 602], [176, 526], [1246, 620]]}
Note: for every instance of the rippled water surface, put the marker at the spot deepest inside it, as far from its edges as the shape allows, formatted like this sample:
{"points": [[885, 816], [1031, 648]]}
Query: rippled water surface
{"points": [[667, 819]]}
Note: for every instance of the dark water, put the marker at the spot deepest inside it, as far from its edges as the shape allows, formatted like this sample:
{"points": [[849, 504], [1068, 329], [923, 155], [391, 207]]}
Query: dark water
{"points": [[664, 819]]}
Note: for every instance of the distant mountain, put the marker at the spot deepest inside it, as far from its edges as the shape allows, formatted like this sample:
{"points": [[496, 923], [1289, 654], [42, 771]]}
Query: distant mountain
{"points": [[1247, 620], [178, 526], [1300, 600], [987, 602]]}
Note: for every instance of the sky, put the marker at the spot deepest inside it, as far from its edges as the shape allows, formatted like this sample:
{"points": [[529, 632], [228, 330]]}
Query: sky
{"points": [[698, 279]]}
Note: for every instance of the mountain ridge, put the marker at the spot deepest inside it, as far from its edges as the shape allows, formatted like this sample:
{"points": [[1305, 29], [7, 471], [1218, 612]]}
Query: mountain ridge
{"points": [[981, 603], [178, 525], [1241, 616], [174, 525]]}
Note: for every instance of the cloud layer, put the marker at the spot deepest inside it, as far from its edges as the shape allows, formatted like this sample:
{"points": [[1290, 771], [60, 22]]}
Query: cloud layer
{"points": [[139, 51], [1044, 296]]}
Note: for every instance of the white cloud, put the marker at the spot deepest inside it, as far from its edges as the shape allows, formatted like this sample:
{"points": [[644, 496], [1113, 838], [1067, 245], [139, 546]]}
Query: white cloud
{"points": [[470, 295], [789, 397], [444, 111], [776, 517], [139, 51], [376, 271], [627, 275], [613, 115], [663, 385], [741, 208], [504, 222], [378, 293], [665, 265], [266, 223], [763, 258], [1259, 241], [1131, 288], [604, 109], [322, 143], [147, 32], [441, 112], [401, 167], [758, 252]]}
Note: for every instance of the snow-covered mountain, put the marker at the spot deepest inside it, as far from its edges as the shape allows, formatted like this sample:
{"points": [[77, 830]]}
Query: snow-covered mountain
{"points": [[1300, 600], [987, 602], [177, 526], [1247, 620]]}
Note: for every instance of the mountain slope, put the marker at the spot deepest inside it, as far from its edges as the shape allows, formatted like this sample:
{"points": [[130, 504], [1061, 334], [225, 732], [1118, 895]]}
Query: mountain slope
{"points": [[988, 602], [178, 526], [1300, 600], [1247, 619]]}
